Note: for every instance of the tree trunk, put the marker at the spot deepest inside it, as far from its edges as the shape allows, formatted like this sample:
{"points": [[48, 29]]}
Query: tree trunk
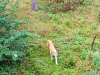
{"points": [[34, 5]]}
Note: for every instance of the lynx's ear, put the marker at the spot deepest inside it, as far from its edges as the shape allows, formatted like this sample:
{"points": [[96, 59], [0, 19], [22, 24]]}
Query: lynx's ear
{"points": [[47, 43]]}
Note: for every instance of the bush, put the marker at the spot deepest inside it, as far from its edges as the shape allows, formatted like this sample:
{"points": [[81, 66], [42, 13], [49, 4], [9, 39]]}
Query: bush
{"points": [[12, 42], [9, 38]]}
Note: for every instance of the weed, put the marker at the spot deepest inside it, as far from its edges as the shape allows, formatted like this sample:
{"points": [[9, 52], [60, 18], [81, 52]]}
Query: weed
{"points": [[82, 54], [91, 72], [53, 35], [68, 52], [90, 54], [29, 73], [68, 23], [68, 63], [96, 59]]}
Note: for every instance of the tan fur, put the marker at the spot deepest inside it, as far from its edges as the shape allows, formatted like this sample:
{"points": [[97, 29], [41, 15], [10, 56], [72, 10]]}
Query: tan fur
{"points": [[52, 50]]}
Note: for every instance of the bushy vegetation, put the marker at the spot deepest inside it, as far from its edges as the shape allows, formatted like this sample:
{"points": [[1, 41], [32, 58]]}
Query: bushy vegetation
{"points": [[72, 33], [12, 42], [55, 6]]}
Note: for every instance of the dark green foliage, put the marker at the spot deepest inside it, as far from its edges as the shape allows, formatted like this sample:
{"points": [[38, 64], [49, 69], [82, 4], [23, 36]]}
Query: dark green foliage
{"points": [[68, 63], [11, 66], [8, 36], [12, 42]]}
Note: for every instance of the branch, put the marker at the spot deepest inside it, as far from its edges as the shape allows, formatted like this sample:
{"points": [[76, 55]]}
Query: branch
{"points": [[93, 42]]}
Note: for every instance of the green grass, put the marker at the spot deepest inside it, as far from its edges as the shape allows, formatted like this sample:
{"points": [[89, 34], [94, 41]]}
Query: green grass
{"points": [[72, 34]]}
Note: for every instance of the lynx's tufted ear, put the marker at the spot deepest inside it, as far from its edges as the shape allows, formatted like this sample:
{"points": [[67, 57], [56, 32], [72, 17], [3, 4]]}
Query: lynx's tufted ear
{"points": [[48, 43]]}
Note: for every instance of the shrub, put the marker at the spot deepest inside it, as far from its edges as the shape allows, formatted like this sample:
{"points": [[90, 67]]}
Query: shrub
{"points": [[12, 42]]}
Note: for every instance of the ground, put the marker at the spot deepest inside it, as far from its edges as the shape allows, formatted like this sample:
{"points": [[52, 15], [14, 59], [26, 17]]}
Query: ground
{"points": [[72, 33]]}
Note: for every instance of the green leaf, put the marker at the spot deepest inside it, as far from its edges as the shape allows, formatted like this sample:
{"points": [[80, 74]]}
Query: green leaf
{"points": [[37, 36], [0, 56]]}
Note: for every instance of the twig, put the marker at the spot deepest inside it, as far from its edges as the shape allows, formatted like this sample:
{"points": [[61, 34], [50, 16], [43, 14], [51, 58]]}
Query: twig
{"points": [[93, 42]]}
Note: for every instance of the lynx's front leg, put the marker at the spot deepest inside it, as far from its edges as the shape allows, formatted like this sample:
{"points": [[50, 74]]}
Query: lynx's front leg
{"points": [[56, 60]]}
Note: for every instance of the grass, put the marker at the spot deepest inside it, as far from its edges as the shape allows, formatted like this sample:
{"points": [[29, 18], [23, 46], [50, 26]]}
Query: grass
{"points": [[72, 34]]}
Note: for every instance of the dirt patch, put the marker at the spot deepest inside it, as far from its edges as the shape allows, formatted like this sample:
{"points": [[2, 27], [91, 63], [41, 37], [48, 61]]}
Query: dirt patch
{"points": [[69, 6], [59, 1], [60, 6]]}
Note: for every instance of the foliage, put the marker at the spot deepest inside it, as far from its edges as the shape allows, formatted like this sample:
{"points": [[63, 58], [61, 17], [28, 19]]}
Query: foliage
{"points": [[83, 54], [55, 6], [68, 63], [11, 66], [68, 52], [68, 23], [52, 7], [96, 59], [13, 43], [9, 38], [85, 2]]}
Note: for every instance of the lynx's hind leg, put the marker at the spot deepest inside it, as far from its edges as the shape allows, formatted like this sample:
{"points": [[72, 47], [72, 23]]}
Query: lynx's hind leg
{"points": [[51, 56]]}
